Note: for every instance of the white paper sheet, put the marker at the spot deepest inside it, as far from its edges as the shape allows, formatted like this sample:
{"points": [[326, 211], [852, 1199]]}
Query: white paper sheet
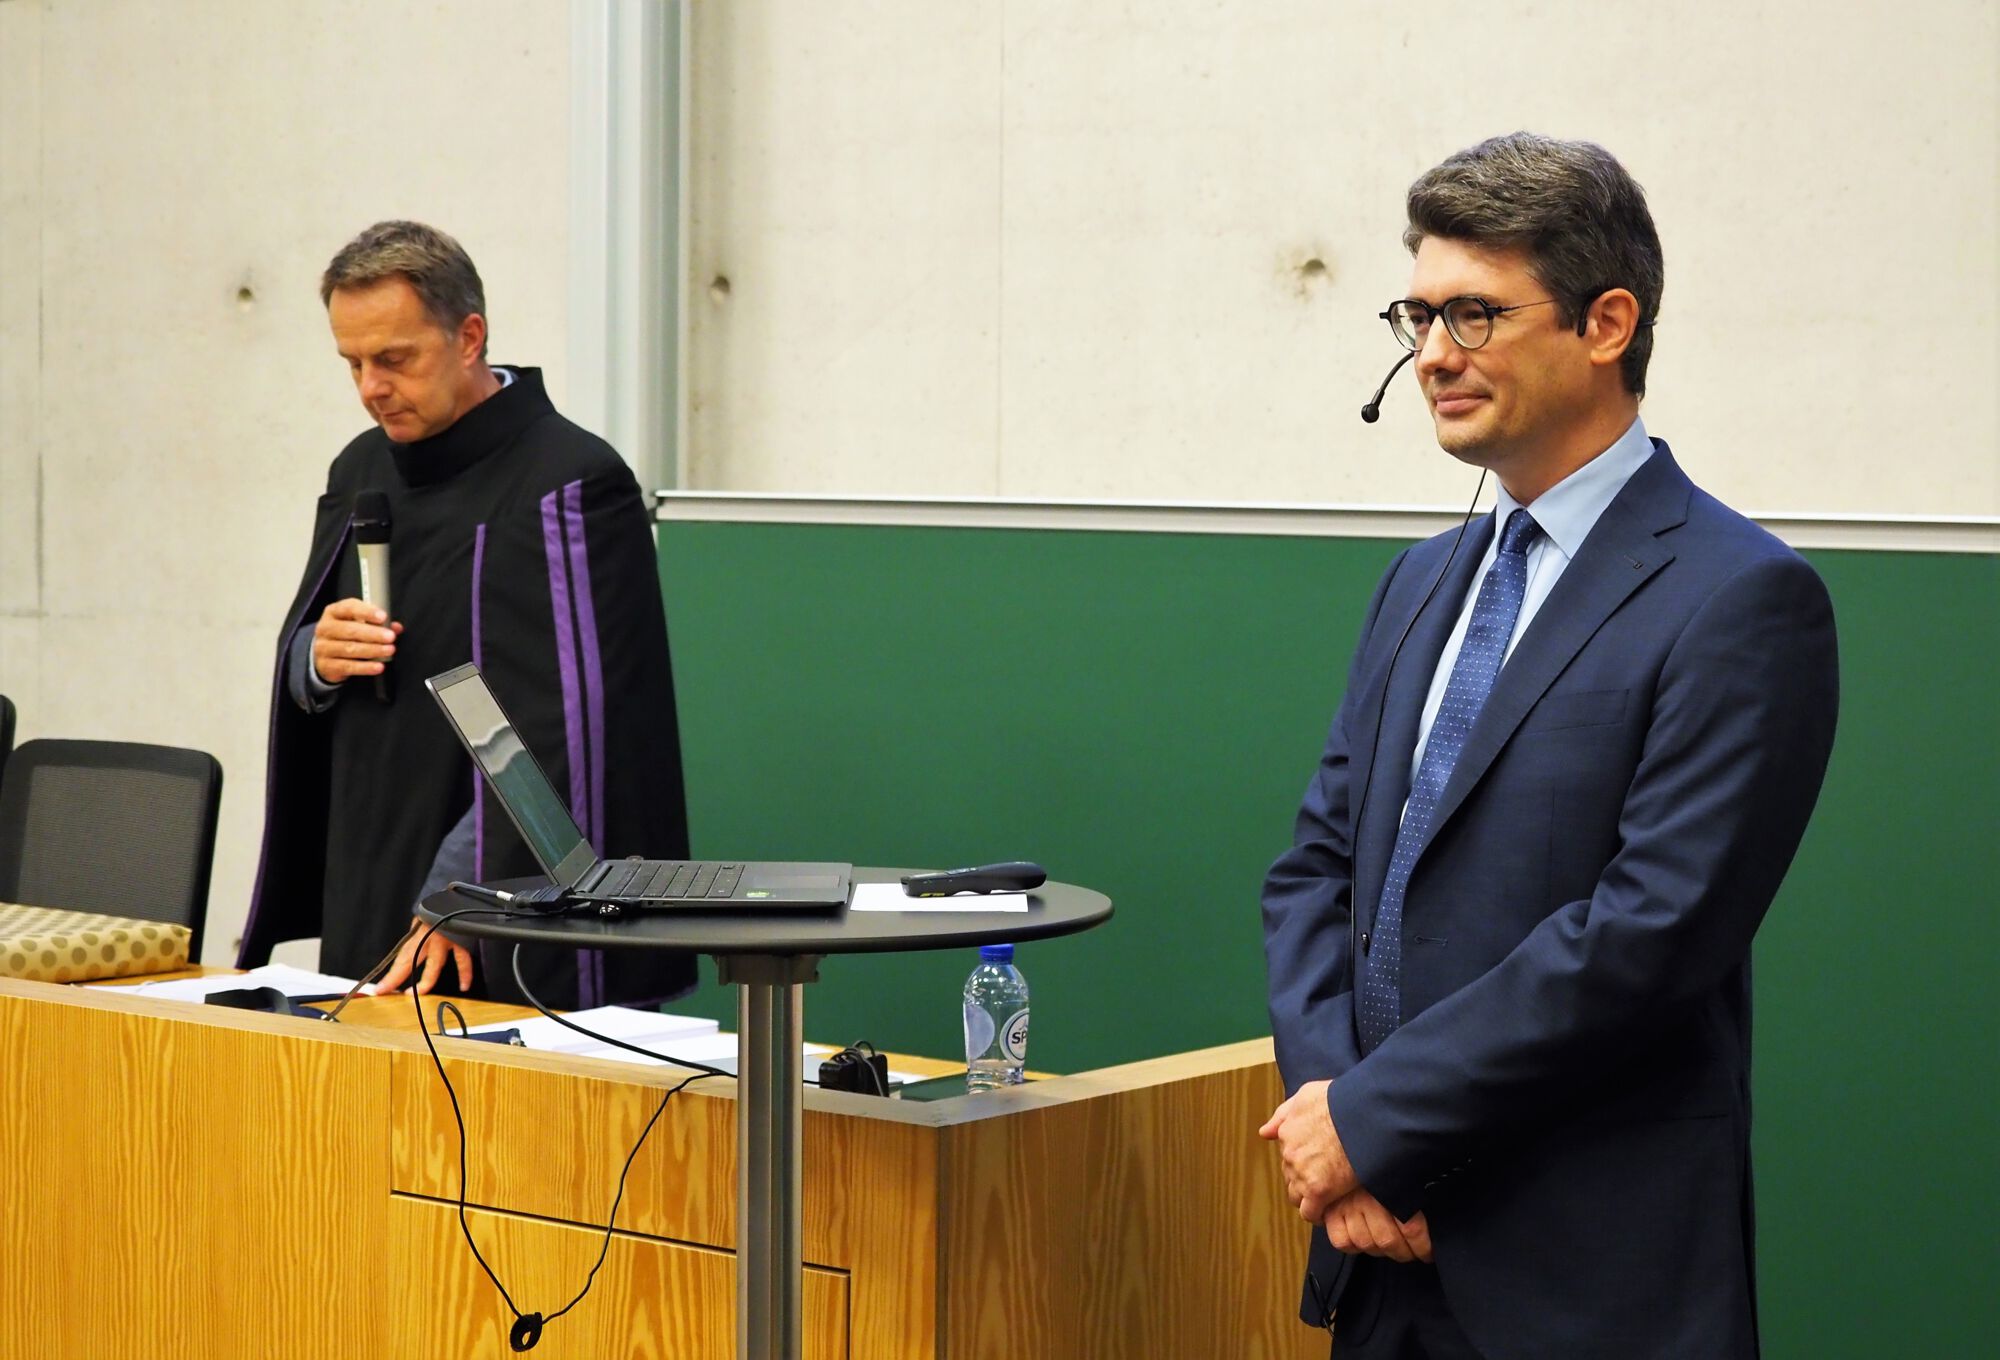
{"points": [[891, 897], [648, 1029], [291, 981], [712, 1047]]}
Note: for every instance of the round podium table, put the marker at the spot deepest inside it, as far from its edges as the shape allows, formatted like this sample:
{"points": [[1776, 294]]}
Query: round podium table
{"points": [[769, 956]]}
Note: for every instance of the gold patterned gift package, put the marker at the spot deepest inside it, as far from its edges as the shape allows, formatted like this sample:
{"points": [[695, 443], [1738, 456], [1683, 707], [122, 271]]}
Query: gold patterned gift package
{"points": [[46, 944]]}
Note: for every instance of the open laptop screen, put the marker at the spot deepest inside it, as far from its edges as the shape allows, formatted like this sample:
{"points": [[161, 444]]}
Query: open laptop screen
{"points": [[517, 780]]}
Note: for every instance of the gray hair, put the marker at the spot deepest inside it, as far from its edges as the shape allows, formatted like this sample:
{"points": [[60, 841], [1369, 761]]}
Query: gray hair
{"points": [[435, 265], [1581, 218]]}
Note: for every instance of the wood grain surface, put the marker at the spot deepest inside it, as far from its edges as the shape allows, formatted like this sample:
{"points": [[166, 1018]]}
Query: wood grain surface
{"points": [[1136, 1214], [652, 1300], [189, 1181], [547, 1135], [209, 1187]]}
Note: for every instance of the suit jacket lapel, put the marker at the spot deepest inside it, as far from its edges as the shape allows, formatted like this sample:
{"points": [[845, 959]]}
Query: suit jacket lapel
{"points": [[1400, 708], [1621, 554]]}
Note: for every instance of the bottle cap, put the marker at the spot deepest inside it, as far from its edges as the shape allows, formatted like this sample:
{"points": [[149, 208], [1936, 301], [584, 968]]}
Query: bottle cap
{"points": [[996, 953]]}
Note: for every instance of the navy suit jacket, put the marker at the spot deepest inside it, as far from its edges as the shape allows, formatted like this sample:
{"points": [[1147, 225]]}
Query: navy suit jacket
{"points": [[1568, 1097]]}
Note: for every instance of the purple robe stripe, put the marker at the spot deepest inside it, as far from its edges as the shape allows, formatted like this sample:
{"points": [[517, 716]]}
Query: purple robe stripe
{"points": [[559, 604], [478, 784], [580, 666], [593, 658]]}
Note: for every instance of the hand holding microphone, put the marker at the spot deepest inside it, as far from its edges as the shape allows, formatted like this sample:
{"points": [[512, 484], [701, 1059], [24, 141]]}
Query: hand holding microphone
{"points": [[357, 637], [352, 638]]}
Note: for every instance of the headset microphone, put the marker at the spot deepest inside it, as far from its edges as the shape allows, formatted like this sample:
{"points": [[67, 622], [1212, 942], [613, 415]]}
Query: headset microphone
{"points": [[1372, 412]]}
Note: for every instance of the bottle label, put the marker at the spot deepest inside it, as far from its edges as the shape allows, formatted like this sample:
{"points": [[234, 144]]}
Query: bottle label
{"points": [[978, 1032], [1014, 1038]]}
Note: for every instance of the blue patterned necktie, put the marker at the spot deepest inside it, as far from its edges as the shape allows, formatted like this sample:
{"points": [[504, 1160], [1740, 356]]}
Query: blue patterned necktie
{"points": [[1492, 624]]}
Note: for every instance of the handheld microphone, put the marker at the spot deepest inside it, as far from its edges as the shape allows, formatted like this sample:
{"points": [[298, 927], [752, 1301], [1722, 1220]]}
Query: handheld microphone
{"points": [[1372, 412], [371, 548]]}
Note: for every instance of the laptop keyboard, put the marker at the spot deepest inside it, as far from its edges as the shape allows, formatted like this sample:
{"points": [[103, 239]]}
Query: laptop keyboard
{"points": [[667, 880]]}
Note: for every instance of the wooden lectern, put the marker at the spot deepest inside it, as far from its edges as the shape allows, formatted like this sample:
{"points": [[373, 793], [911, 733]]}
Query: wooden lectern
{"points": [[178, 1180]]}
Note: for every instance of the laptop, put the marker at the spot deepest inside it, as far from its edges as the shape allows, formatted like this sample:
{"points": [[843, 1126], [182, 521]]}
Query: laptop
{"points": [[573, 867]]}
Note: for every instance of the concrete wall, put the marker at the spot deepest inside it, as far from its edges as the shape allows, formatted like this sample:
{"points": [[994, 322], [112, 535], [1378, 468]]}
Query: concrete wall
{"points": [[172, 180], [1042, 248]]}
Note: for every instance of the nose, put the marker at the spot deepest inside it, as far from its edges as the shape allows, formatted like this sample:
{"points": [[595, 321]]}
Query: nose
{"points": [[1439, 352], [373, 382]]}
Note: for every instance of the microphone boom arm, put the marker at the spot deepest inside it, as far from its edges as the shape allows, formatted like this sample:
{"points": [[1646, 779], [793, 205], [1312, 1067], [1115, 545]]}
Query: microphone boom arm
{"points": [[1372, 412]]}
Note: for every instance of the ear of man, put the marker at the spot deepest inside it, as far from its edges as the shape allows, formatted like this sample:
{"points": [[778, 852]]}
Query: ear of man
{"points": [[1609, 325], [471, 339]]}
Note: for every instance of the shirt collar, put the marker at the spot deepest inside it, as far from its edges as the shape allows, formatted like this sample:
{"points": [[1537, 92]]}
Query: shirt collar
{"points": [[1569, 510]]}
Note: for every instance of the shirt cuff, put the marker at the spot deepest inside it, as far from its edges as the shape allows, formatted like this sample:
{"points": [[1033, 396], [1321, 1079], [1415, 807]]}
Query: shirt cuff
{"points": [[308, 691]]}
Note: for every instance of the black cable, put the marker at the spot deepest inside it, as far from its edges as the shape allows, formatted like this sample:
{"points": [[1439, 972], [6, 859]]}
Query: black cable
{"points": [[635, 1049], [1323, 1296], [527, 1327], [417, 1002], [618, 1198], [606, 1039], [451, 1008]]}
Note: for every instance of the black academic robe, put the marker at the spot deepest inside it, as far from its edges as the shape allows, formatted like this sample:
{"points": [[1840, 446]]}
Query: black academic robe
{"points": [[520, 542]]}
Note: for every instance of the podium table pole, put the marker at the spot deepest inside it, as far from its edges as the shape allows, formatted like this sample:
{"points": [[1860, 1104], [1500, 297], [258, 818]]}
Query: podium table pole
{"points": [[770, 1110]]}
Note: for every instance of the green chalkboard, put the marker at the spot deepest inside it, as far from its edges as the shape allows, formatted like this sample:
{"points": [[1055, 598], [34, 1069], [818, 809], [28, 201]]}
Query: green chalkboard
{"points": [[1141, 711]]}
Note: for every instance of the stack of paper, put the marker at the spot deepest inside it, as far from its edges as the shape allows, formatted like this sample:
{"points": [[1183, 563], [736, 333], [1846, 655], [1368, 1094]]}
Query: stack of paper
{"points": [[653, 1031], [669, 1038], [293, 982]]}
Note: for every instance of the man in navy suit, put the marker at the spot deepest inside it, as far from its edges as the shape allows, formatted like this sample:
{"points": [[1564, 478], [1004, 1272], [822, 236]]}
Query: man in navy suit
{"points": [[1509, 949]]}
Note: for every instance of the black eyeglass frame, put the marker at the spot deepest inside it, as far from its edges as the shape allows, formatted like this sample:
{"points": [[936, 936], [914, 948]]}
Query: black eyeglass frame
{"points": [[1582, 316], [1443, 312]]}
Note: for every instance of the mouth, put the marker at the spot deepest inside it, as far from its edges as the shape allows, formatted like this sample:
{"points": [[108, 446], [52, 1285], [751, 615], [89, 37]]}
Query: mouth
{"points": [[1454, 403]]}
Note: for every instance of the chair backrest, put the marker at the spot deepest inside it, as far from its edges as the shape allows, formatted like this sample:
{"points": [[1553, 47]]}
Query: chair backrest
{"points": [[6, 732], [120, 828]]}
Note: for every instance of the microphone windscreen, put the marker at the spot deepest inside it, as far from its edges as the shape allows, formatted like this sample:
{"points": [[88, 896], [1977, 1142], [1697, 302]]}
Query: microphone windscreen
{"points": [[371, 517]]}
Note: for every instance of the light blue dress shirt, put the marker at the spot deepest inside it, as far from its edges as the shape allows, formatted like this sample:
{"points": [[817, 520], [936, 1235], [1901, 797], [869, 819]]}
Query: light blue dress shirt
{"points": [[1567, 512]]}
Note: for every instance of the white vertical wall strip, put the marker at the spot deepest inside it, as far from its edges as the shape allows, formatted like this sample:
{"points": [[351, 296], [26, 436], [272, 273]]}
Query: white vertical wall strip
{"points": [[590, 133], [624, 351]]}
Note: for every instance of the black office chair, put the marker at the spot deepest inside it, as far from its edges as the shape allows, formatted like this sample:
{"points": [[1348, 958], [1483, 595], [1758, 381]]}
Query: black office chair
{"points": [[119, 828], [6, 732]]}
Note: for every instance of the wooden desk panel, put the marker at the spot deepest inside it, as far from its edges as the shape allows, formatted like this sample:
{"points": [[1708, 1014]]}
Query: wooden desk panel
{"points": [[184, 1181], [548, 1134], [1131, 1212], [652, 1300], [181, 1189]]}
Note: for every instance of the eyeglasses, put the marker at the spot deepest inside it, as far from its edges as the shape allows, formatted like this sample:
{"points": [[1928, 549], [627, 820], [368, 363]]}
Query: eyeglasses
{"points": [[1468, 319]]}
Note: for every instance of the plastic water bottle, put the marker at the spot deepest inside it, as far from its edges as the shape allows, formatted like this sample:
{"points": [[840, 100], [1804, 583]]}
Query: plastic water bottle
{"points": [[996, 1020]]}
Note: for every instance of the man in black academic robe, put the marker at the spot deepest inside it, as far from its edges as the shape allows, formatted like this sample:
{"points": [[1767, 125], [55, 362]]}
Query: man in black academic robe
{"points": [[519, 542]]}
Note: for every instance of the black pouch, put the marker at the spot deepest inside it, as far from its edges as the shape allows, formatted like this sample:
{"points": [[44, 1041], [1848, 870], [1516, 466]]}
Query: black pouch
{"points": [[851, 1069]]}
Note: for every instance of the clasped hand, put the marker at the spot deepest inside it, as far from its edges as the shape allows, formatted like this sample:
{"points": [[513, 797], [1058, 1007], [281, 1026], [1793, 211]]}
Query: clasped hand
{"points": [[1321, 1184]]}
